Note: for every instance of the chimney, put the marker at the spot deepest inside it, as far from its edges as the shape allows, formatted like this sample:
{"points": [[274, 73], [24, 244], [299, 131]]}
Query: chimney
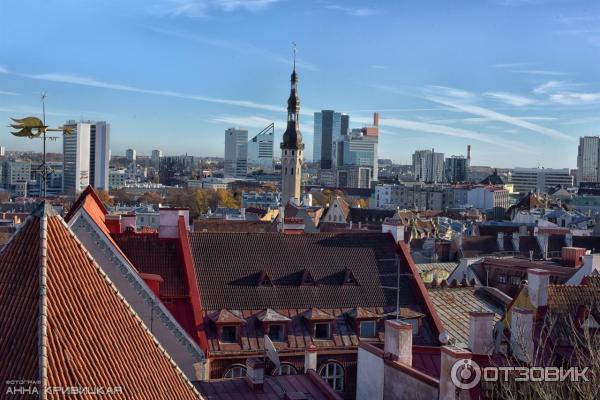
{"points": [[376, 119], [569, 240], [394, 227], [572, 256], [310, 358], [481, 332], [469, 152], [153, 281], [113, 223], [521, 334], [451, 355], [500, 241], [293, 225], [537, 286], [128, 222], [255, 373], [169, 221], [398, 340]]}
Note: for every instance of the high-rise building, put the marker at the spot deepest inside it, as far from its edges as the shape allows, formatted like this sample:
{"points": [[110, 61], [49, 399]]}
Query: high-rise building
{"points": [[86, 154], [260, 149], [540, 179], [155, 158], [588, 159], [236, 153], [456, 169], [329, 126], [130, 155], [428, 166], [292, 148], [359, 150]]}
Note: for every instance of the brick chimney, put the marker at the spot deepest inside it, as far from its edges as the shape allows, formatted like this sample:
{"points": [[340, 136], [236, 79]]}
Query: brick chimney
{"points": [[310, 358], [521, 333], [537, 286], [481, 332], [572, 256], [450, 355], [255, 374], [375, 119], [398, 340], [153, 281], [113, 223]]}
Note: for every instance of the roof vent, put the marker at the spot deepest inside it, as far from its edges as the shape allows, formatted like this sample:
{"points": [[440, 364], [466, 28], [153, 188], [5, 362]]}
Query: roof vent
{"points": [[307, 279], [349, 278], [264, 280]]}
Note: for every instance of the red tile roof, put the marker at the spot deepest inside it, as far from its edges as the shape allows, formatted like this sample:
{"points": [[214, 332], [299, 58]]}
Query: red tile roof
{"points": [[90, 336]]}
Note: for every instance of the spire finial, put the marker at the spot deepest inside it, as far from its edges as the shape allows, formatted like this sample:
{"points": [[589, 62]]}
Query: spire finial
{"points": [[294, 48]]}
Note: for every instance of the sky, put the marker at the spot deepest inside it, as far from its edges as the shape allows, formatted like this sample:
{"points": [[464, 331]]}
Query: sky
{"points": [[518, 80]]}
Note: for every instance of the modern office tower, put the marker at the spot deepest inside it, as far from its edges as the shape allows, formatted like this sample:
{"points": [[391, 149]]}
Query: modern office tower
{"points": [[329, 126], [260, 148], [355, 159], [86, 154], [428, 166], [540, 179], [588, 159], [155, 157], [130, 155], [236, 153], [456, 169]]}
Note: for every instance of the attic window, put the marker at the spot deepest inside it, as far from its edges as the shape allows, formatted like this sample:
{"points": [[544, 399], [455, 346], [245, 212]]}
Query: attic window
{"points": [[264, 280], [307, 279], [349, 278]]}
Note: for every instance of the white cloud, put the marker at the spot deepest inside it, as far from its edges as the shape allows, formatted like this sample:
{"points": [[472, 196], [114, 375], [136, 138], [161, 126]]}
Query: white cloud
{"points": [[513, 65], [538, 72], [575, 98], [257, 122], [496, 116], [2, 92], [512, 99], [353, 11], [202, 8], [548, 87], [3, 69], [446, 91]]}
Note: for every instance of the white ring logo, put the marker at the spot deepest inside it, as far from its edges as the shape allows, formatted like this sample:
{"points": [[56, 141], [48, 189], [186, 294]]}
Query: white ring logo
{"points": [[465, 374]]}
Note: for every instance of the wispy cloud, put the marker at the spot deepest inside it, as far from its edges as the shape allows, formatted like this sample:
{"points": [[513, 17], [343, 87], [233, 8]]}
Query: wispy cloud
{"points": [[539, 72], [203, 8], [353, 11], [257, 122], [459, 105], [446, 91], [511, 99], [3, 69], [550, 86], [2, 92], [235, 46], [513, 65], [575, 98]]}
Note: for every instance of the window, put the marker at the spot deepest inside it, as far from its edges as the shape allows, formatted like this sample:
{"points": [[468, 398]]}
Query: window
{"points": [[229, 334], [415, 324], [237, 371], [333, 374], [367, 329], [322, 330], [501, 279], [515, 280], [285, 369], [276, 332]]}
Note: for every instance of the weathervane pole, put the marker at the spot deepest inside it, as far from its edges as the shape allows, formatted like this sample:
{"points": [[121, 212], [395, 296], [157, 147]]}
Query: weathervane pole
{"points": [[44, 170], [294, 44]]}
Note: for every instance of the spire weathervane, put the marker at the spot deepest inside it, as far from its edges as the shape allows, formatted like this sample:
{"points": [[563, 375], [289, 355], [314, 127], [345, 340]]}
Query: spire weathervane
{"points": [[294, 44]]}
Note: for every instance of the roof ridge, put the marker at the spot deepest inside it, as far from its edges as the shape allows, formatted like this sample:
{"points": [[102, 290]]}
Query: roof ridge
{"points": [[43, 298]]}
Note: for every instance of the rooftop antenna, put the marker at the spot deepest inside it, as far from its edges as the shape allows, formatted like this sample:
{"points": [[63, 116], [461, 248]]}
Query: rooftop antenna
{"points": [[294, 49]]}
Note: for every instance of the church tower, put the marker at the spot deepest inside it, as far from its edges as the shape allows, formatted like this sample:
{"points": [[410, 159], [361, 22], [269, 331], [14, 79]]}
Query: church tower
{"points": [[292, 148]]}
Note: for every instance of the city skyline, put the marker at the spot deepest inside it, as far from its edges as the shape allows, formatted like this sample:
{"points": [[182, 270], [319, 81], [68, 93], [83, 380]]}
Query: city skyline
{"points": [[189, 69]]}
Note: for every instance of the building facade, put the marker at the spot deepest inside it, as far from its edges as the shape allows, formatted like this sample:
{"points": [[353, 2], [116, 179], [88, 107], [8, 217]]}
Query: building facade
{"points": [[329, 126], [130, 155], [260, 150], [428, 166], [155, 157], [236, 153], [357, 152], [456, 169], [540, 179], [588, 159]]}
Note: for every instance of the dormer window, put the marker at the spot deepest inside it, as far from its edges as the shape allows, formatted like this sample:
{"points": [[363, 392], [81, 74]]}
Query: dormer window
{"points": [[276, 332], [229, 334], [368, 329], [322, 330]]}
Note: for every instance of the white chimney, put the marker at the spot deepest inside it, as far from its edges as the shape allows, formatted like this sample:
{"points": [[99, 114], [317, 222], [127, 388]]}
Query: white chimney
{"points": [[481, 332], [521, 333], [395, 228], [169, 221], [310, 358], [398, 340], [255, 373], [537, 286], [450, 355], [500, 241], [516, 241]]}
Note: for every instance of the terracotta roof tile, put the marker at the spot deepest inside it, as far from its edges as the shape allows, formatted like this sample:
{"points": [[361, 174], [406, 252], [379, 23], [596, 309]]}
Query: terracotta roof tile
{"points": [[93, 338]]}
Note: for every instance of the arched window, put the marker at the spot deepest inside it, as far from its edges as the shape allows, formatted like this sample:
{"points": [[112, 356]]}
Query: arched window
{"points": [[285, 369], [237, 371], [333, 374]]}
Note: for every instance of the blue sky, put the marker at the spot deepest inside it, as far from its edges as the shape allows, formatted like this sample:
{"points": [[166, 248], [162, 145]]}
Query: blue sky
{"points": [[519, 80]]}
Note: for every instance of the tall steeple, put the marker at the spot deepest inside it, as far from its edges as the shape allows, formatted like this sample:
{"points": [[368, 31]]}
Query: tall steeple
{"points": [[292, 148]]}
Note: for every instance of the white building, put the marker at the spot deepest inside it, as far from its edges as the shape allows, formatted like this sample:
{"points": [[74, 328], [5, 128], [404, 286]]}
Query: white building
{"points": [[236, 153], [428, 166], [588, 159], [86, 154], [116, 178], [489, 199], [260, 150], [540, 179]]}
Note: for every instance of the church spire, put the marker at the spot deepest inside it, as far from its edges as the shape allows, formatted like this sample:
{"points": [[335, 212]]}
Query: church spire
{"points": [[292, 138]]}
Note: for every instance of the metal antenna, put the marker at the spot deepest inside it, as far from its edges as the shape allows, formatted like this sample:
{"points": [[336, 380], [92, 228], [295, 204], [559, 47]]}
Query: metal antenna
{"points": [[44, 166], [294, 49]]}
